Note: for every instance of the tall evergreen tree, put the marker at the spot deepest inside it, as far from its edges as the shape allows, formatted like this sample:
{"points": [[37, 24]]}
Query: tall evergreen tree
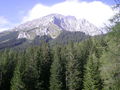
{"points": [[92, 80], [110, 70], [57, 80], [16, 82], [73, 73], [43, 59], [30, 73], [8, 64], [81, 53]]}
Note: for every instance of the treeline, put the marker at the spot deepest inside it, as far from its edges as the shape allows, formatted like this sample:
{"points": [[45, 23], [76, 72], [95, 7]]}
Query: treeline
{"points": [[89, 65]]}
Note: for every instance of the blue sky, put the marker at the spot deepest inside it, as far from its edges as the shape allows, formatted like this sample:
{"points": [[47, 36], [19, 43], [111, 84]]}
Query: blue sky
{"points": [[13, 11]]}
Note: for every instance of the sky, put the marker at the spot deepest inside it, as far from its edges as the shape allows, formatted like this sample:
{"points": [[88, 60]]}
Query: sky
{"points": [[15, 12]]}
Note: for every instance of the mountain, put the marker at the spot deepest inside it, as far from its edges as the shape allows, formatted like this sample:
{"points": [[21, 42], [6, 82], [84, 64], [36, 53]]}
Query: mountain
{"points": [[53, 24], [51, 28]]}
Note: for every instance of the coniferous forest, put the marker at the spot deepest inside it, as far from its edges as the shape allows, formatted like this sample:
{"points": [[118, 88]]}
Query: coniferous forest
{"points": [[92, 64]]}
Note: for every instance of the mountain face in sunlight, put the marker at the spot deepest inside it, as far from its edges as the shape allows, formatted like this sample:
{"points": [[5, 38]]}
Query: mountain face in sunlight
{"points": [[51, 28], [53, 24]]}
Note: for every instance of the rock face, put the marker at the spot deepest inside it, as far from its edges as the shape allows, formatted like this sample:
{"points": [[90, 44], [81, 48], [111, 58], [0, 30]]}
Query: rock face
{"points": [[53, 24]]}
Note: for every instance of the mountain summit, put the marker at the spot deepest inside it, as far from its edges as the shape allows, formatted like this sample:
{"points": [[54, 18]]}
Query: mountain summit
{"points": [[53, 28], [53, 24]]}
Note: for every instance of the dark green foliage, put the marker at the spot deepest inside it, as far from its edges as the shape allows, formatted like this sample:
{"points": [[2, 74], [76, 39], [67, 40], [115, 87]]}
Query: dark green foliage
{"points": [[38, 40], [12, 43], [8, 60], [66, 36], [30, 74], [57, 80], [10, 40], [73, 73], [110, 69], [43, 66], [92, 80], [92, 64], [16, 82]]}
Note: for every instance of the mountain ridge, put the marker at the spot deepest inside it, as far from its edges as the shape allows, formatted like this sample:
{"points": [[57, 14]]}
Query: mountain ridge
{"points": [[53, 25], [53, 29]]}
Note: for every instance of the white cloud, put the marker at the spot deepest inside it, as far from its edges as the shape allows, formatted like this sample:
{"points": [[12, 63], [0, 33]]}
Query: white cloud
{"points": [[3, 20], [5, 24], [95, 12], [3, 29], [37, 11]]}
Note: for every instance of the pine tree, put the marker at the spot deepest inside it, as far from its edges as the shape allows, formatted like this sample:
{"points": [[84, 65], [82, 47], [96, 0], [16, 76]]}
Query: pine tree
{"points": [[110, 69], [16, 82], [43, 59], [30, 73], [92, 80], [57, 80], [8, 64], [73, 73], [81, 53]]}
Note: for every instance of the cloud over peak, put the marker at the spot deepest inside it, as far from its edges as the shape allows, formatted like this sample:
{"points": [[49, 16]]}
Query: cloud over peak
{"points": [[95, 12]]}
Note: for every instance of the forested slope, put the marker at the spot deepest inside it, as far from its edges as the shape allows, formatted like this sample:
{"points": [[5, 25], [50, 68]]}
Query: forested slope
{"points": [[92, 64]]}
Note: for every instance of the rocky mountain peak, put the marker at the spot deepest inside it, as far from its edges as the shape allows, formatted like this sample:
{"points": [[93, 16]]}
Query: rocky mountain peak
{"points": [[53, 25]]}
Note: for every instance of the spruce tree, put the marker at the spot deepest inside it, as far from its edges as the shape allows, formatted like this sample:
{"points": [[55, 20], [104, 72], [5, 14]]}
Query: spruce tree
{"points": [[43, 59], [57, 79], [92, 80], [73, 73], [110, 69], [16, 82], [81, 53], [8, 64], [30, 73]]}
